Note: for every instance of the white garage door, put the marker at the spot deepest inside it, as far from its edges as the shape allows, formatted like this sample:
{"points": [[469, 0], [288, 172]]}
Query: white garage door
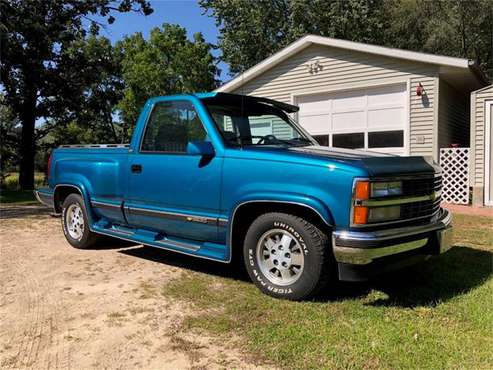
{"points": [[372, 118]]}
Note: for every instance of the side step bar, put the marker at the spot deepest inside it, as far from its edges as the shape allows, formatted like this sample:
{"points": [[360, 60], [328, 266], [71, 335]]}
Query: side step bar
{"points": [[207, 250]]}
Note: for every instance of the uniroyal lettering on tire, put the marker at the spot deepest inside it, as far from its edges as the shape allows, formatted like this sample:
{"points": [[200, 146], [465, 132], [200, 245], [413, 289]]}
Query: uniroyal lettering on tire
{"points": [[286, 255]]}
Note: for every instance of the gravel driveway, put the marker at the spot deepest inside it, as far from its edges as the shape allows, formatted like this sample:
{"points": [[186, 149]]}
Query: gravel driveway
{"points": [[66, 308]]}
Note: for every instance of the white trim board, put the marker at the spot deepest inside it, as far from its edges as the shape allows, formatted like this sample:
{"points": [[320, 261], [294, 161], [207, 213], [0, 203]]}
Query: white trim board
{"points": [[488, 198], [308, 40]]}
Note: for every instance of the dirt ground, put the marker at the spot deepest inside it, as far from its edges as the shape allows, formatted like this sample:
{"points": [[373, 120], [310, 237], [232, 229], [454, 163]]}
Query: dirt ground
{"points": [[66, 308]]}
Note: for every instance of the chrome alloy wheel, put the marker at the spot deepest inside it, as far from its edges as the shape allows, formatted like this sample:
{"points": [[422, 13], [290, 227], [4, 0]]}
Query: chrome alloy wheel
{"points": [[280, 257], [74, 219]]}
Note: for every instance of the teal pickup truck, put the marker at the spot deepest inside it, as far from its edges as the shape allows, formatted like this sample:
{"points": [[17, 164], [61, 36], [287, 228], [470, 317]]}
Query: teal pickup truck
{"points": [[219, 176]]}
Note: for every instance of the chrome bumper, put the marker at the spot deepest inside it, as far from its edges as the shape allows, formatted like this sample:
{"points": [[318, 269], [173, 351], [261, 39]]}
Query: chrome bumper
{"points": [[44, 198], [362, 248]]}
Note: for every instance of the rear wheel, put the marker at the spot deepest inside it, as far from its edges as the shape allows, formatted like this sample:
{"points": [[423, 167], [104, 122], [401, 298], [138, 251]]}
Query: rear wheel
{"points": [[75, 223], [287, 256]]}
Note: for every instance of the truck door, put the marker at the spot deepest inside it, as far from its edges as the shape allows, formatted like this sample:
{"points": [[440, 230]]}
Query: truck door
{"points": [[171, 190]]}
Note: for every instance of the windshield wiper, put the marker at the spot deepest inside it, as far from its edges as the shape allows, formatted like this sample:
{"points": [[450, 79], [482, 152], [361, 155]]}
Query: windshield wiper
{"points": [[301, 140], [272, 140]]}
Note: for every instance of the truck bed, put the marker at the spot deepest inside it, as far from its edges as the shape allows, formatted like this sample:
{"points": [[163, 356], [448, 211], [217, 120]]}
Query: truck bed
{"points": [[101, 169]]}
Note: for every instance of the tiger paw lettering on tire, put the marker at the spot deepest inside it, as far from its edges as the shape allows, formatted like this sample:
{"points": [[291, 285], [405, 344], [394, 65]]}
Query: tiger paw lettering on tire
{"points": [[286, 256]]}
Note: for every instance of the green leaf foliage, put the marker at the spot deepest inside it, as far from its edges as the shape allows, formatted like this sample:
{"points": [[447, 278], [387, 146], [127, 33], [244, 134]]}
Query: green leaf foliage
{"points": [[167, 63], [47, 66], [252, 31]]}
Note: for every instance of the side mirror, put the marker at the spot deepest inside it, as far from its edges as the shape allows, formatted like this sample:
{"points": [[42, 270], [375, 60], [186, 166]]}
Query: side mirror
{"points": [[202, 148]]}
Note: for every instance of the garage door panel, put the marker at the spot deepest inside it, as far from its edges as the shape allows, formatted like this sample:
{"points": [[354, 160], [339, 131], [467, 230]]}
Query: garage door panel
{"points": [[318, 103], [342, 121], [316, 124], [389, 117], [348, 102], [387, 95]]}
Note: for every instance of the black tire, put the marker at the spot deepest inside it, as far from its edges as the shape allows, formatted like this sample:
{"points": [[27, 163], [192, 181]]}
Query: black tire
{"points": [[313, 243], [88, 238]]}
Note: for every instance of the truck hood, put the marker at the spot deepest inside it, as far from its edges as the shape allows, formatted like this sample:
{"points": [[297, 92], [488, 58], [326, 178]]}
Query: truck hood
{"points": [[376, 164]]}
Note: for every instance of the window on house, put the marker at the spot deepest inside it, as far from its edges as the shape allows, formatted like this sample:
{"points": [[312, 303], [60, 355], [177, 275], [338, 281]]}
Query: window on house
{"points": [[322, 139], [349, 141], [386, 139]]}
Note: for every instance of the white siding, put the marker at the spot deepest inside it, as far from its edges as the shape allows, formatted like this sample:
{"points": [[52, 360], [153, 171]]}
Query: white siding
{"points": [[341, 69], [478, 99]]}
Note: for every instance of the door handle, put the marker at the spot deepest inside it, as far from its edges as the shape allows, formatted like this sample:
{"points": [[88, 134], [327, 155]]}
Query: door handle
{"points": [[136, 168]]}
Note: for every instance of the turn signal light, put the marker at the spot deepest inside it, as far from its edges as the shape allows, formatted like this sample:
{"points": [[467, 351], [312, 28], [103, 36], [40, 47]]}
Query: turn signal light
{"points": [[360, 215], [362, 190]]}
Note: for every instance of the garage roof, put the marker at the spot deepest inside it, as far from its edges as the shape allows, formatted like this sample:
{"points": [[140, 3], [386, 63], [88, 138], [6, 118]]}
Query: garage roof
{"points": [[462, 73]]}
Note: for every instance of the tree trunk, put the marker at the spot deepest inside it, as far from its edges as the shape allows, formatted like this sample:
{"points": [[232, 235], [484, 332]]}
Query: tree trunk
{"points": [[28, 143]]}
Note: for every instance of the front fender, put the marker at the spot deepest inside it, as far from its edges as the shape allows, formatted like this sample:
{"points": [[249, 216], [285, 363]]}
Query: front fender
{"points": [[289, 198]]}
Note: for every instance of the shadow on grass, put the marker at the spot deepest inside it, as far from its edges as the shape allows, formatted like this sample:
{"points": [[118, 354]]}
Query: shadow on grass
{"points": [[22, 211], [437, 280], [234, 270], [8, 196], [427, 284]]}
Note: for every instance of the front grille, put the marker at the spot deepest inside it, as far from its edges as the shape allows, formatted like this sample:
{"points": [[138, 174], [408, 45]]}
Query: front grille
{"points": [[421, 186], [418, 187], [420, 209]]}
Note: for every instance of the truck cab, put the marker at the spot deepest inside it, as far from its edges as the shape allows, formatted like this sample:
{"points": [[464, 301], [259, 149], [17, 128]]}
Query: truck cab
{"points": [[218, 176]]}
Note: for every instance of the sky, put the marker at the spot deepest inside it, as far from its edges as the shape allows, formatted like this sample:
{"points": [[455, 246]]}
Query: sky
{"points": [[186, 13]]}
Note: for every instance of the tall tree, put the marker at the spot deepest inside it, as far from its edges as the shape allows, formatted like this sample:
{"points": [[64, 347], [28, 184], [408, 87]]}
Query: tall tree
{"points": [[34, 38], [167, 63], [252, 31], [9, 133], [95, 90], [455, 28]]}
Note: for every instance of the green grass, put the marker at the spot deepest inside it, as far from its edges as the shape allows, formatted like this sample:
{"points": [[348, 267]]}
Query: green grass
{"points": [[17, 197], [12, 180], [435, 315], [10, 192]]}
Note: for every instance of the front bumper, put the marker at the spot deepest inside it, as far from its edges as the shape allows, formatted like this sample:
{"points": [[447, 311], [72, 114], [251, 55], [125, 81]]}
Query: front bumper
{"points": [[362, 254]]}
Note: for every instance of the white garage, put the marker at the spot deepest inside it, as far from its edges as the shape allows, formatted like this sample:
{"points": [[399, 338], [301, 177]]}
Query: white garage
{"points": [[481, 178], [371, 118], [357, 95]]}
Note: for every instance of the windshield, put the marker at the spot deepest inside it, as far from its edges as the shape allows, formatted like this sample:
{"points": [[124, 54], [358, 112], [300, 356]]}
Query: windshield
{"points": [[256, 124]]}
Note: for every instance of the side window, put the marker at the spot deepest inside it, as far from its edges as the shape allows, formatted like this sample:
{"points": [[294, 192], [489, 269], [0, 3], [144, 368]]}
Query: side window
{"points": [[171, 126]]}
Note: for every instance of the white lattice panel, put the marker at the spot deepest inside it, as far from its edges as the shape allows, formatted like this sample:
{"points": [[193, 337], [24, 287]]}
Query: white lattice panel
{"points": [[455, 172]]}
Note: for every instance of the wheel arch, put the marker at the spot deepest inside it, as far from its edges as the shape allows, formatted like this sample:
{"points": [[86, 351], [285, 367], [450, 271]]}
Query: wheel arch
{"points": [[246, 212], [62, 191]]}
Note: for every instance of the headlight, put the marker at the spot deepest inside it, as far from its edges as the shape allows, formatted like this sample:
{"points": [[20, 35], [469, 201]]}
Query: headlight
{"points": [[382, 214], [366, 193], [386, 189]]}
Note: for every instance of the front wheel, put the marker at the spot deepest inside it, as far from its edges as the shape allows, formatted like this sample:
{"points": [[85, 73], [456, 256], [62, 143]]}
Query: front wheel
{"points": [[287, 256]]}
